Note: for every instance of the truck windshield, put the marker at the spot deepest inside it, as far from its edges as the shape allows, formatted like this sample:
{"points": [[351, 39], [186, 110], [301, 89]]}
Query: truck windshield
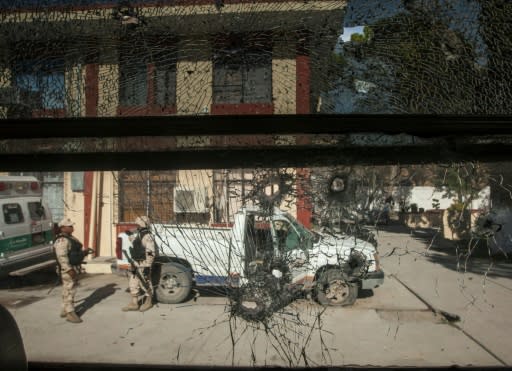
{"points": [[306, 236], [292, 235]]}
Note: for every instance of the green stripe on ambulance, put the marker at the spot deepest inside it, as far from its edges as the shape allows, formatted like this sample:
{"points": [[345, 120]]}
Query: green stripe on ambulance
{"points": [[15, 243]]}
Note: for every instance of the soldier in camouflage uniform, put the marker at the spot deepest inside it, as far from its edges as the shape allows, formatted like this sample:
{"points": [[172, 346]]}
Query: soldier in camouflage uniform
{"points": [[69, 255], [142, 261]]}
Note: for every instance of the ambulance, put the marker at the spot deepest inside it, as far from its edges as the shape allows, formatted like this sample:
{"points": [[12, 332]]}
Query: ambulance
{"points": [[26, 227]]}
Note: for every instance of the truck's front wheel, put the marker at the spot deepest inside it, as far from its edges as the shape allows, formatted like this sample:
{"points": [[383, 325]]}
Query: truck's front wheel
{"points": [[174, 284], [334, 289]]}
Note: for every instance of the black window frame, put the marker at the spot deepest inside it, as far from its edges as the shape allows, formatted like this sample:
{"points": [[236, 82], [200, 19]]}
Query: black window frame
{"points": [[240, 55], [140, 72], [31, 78]]}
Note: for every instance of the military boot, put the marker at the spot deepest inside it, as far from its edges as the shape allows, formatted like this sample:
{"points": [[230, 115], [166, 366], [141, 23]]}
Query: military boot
{"points": [[148, 304], [73, 317], [133, 305], [63, 313]]}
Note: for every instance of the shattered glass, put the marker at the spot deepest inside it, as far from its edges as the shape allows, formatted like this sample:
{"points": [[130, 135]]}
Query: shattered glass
{"points": [[334, 261]]}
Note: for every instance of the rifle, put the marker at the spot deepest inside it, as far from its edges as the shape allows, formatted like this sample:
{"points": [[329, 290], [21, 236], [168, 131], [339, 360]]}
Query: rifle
{"points": [[135, 271]]}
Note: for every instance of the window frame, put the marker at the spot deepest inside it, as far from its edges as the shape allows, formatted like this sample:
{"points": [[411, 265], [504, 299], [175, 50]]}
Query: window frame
{"points": [[152, 197], [39, 76], [151, 67], [245, 52]]}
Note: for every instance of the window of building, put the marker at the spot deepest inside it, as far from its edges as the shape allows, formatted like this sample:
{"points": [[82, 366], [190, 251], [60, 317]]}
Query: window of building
{"points": [[165, 78], [242, 76], [146, 193], [147, 80], [40, 88], [133, 89]]}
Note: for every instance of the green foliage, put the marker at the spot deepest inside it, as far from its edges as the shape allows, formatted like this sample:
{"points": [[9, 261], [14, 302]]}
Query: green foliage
{"points": [[496, 31], [365, 37], [357, 37], [435, 66], [338, 60], [457, 207], [368, 33], [461, 182]]}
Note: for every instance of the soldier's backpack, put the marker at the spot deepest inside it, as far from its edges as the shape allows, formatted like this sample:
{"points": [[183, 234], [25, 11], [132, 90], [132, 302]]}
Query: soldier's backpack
{"points": [[137, 250], [76, 254]]}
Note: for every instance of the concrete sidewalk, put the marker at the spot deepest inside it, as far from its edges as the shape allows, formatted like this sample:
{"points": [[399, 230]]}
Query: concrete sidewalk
{"points": [[476, 290], [389, 328]]}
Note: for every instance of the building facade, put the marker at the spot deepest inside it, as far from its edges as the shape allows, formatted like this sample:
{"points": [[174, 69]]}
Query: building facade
{"points": [[148, 58]]}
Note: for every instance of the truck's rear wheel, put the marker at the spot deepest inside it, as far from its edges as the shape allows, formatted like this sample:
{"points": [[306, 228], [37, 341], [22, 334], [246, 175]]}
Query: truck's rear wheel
{"points": [[174, 284], [334, 289]]}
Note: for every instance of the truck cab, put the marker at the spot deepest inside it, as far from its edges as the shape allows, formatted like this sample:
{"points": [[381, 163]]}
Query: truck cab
{"points": [[310, 261], [26, 227]]}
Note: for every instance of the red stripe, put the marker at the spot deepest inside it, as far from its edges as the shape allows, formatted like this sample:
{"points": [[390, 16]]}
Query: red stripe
{"points": [[304, 206], [303, 84], [243, 109], [91, 89], [88, 178]]}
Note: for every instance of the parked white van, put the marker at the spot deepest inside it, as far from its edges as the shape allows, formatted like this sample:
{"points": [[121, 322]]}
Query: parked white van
{"points": [[26, 227]]}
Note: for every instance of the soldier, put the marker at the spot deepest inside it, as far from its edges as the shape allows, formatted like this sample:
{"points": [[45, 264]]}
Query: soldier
{"points": [[142, 255], [69, 255]]}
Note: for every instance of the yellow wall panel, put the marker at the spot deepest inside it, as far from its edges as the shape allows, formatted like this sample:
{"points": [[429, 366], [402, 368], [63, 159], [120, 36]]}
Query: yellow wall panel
{"points": [[108, 89], [194, 87], [5, 81], [284, 76]]}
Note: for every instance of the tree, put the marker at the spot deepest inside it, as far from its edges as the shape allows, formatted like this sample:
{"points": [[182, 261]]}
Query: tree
{"points": [[365, 37], [434, 67], [461, 182], [494, 93]]}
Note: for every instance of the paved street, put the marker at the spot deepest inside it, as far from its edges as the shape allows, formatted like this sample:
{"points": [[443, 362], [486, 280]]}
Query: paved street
{"points": [[398, 324], [478, 290]]}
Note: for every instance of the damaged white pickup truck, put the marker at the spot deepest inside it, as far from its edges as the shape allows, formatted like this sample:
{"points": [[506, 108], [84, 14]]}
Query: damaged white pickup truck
{"points": [[266, 259]]}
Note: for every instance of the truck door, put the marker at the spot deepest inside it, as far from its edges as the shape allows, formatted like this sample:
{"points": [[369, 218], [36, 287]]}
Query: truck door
{"points": [[249, 241], [288, 242]]}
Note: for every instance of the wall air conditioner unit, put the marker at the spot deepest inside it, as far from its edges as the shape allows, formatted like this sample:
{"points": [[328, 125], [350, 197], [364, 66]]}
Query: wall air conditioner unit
{"points": [[190, 200]]}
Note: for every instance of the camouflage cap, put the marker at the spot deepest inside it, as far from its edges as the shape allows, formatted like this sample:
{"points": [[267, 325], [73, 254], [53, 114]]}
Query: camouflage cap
{"points": [[66, 222]]}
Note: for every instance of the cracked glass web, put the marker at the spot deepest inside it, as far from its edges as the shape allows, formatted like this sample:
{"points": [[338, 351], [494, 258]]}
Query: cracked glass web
{"points": [[278, 264]]}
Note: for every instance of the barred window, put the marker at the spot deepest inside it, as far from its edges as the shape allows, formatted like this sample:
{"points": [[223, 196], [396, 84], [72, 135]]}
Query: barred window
{"points": [[242, 74]]}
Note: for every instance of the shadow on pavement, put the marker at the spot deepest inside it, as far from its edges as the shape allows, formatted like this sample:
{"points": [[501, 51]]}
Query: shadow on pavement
{"points": [[212, 291], [474, 265], [365, 293], [463, 256], [393, 228], [97, 296], [32, 281]]}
